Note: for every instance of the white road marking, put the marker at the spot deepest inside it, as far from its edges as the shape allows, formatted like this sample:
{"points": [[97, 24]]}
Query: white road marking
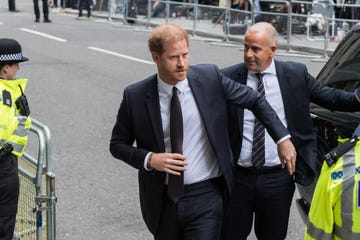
{"points": [[120, 55], [43, 35]]}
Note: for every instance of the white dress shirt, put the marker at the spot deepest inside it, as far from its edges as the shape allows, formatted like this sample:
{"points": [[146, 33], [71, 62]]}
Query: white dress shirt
{"points": [[274, 97], [202, 163]]}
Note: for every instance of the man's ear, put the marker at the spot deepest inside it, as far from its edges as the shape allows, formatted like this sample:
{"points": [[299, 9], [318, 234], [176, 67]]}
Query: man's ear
{"points": [[155, 57], [273, 50]]}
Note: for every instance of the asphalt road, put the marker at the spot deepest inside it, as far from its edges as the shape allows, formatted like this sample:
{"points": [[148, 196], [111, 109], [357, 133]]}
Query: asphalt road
{"points": [[77, 72]]}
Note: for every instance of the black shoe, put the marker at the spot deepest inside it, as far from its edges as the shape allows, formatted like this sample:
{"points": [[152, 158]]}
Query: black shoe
{"points": [[14, 10], [37, 20], [47, 20]]}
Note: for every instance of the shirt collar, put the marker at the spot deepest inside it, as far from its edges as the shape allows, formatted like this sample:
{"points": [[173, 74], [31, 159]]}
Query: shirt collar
{"points": [[270, 70], [169, 88]]}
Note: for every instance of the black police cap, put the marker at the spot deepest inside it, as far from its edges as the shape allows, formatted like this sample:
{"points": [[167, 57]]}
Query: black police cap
{"points": [[10, 51]]}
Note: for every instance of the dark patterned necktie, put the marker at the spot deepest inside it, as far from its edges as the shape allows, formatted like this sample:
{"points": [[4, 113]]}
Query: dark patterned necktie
{"points": [[176, 183], [258, 149]]}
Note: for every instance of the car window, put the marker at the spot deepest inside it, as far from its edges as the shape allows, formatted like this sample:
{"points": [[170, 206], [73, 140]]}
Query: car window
{"points": [[348, 86], [347, 76]]}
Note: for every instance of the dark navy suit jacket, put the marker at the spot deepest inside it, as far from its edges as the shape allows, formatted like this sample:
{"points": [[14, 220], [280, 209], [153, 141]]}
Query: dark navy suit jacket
{"points": [[298, 89], [139, 121]]}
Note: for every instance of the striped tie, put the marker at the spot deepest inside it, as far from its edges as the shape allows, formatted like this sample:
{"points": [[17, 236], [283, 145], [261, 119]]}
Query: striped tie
{"points": [[258, 149]]}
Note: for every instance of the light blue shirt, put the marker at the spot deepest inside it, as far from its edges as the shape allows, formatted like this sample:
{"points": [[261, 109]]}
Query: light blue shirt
{"points": [[201, 159], [274, 97]]}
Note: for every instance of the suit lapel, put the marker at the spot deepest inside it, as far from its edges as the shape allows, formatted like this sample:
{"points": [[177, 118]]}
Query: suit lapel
{"points": [[201, 95], [153, 108], [198, 91], [242, 75], [241, 78], [284, 83]]}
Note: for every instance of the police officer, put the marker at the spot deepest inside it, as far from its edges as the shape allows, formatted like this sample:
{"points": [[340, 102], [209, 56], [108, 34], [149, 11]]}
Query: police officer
{"points": [[335, 206], [14, 126]]}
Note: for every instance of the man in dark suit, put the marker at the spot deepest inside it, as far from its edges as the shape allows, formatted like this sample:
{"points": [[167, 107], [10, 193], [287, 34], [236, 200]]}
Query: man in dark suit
{"points": [[204, 160], [289, 88]]}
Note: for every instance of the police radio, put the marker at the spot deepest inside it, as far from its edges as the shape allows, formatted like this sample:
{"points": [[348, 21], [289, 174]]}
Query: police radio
{"points": [[6, 149], [332, 156], [22, 104]]}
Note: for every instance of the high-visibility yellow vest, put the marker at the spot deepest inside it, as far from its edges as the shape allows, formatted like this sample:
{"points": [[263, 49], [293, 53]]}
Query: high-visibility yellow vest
{"points": [[14, 127], [335, 206]]}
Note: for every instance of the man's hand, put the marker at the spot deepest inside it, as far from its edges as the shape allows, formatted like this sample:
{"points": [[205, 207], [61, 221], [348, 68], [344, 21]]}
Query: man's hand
{"points": [[172, 163], [287, 155]]}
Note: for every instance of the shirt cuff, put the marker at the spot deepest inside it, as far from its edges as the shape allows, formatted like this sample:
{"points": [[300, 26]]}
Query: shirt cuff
{"points": [[147, 158], [283, 139]]}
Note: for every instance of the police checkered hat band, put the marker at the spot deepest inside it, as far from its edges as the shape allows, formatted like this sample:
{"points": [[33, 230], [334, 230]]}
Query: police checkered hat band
{"points": [[10, 51], [11, 57]]}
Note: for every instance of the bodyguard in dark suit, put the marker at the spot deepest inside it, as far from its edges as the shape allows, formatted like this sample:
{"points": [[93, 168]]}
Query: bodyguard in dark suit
{"points": [[204, 160], [289, 88]]}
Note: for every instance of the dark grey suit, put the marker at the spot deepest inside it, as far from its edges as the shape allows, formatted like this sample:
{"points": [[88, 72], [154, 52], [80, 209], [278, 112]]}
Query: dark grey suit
{"points": [[139, 120]]}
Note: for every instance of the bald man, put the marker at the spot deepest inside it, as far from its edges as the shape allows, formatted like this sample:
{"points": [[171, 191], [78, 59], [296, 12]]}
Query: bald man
{"points": [[265, 193]]}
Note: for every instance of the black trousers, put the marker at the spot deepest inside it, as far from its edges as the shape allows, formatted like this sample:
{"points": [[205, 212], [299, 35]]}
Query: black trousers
{"points": [[266, 195], [45, 9], [87, 5], [9, 195], [197, 215], [12, 5], [7, 226]]}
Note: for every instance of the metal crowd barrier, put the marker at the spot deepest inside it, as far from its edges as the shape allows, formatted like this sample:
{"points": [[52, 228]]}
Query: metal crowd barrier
{"points": [[36, 217], [213, 20]]}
